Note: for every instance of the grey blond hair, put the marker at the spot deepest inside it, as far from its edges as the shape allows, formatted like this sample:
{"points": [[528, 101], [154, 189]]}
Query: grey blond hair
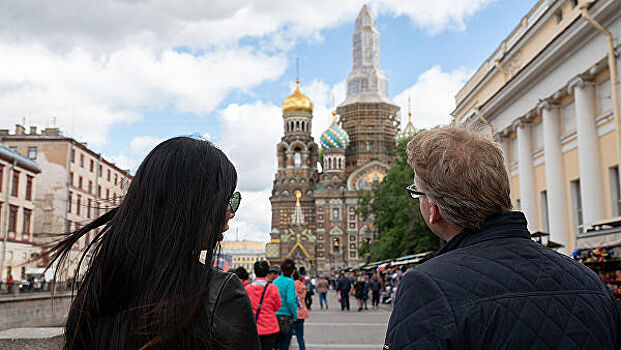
{"points": [[462, 172]]}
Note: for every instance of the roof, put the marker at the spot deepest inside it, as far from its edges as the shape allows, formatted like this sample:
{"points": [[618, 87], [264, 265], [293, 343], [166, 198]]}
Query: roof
{"points": [[10, 155]]}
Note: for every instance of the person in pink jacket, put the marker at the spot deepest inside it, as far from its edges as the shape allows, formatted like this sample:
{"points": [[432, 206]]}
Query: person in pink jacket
{"points": [[297, 328], [265, 316]]}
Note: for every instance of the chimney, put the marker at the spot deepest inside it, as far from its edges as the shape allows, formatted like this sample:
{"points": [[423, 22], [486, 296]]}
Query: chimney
{"points": [[33, 130], [51, 132], [4, 132], [20, 130]]}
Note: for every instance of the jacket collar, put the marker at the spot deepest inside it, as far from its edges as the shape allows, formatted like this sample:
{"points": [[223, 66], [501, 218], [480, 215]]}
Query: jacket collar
{"points": [[511, 224]]}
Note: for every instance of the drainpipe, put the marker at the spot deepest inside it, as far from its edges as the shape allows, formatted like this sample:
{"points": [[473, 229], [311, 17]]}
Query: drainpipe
{"points": [[6, 215], [612, 64], [483, 119]]}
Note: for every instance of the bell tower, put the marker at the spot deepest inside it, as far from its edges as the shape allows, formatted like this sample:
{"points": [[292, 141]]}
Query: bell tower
{"points": [[297, 154]]}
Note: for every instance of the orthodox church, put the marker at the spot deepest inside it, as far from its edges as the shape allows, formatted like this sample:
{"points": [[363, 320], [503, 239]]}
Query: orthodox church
{"points": [[314, 210]]}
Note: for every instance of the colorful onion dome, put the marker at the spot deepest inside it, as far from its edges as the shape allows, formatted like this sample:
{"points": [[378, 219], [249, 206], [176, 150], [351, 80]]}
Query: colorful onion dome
{"points": [[408, 132], [297, 102], [334, 137]]}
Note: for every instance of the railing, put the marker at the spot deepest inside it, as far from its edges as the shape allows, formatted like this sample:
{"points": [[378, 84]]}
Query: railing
{"points": [[26, 287]]}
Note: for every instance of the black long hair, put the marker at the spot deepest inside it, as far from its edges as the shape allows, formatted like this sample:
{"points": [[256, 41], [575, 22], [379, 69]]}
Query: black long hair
{"points": [[144, 286]]}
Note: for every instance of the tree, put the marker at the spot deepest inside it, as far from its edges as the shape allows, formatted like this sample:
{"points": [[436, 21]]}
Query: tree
{"points": [[400, 227]]}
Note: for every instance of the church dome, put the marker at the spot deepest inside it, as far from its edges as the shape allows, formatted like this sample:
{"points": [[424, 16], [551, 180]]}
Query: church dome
{"points": [[408, 131], [297, 102], [334, 137]]}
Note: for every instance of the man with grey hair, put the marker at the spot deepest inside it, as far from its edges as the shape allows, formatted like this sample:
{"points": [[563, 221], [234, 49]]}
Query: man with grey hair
{"points": [[490, 286]]}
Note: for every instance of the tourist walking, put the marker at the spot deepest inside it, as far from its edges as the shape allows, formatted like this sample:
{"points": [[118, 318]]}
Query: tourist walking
{"points": [[343, 286], [322, 289], [144, 286], [265, 300], [375, 287], [288, 311], [359, 291], [242, 274], [297, 328], [525, 296], [365, 294]]}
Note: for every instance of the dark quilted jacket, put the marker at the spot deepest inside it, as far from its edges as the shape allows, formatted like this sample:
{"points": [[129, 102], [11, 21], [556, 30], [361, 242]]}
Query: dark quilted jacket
{"points": [[497, 289]]}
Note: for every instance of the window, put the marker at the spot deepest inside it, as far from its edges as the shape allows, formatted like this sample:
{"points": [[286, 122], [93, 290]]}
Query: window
{"points": [[576, 204], [1, 177], [108, 175], [545, 225], [78, 205], [297, 158], [615, 190], [320, 217], [71, 178], [81, 161], [352, 209], [604, 98], [15, 184], [559, 16], [90, 186], [26, 228], [336, 245], [100, 171], [320, 237], [107, 193], [335, 214], [91, 167], [568, 118], [352, 225], [352, 238], [352, 217], [116, 179], [80, 182], [32, 152], [574, 3], [70, 202], [352, 246], [13, 148], [88, 208], [352, 254], [72, 155], [28, 188], [12, 218], [98, 191], [320, 208]]}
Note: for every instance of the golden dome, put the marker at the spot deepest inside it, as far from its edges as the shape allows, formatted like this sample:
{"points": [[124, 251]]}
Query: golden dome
{"points": [[297, 102]]}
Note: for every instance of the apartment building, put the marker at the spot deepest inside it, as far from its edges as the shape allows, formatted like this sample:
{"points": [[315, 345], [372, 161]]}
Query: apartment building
{"points": [[18, 177]]}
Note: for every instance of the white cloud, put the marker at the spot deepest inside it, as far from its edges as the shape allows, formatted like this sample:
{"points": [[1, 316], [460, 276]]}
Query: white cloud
{"points": [[253, 218], [142, 145], [433, 97]]}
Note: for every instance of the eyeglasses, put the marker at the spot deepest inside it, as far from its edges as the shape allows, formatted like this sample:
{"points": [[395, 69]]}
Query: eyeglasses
{"points": [[414, 193], [234, 201]]}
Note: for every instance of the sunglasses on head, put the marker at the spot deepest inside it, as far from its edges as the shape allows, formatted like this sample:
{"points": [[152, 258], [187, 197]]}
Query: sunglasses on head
{"points": [[235, 201]]}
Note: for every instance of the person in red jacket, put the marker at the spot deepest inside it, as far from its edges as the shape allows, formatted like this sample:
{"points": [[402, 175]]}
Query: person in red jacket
{"points": [[264, 293]]}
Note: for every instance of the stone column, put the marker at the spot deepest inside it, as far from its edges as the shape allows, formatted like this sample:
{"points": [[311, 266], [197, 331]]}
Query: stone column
{"points": [[555, 175], [528, 198], [588, 151]]}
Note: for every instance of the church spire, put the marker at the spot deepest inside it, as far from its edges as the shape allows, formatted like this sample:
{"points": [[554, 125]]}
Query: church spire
{"points": [[298, 217], [366, 82]]}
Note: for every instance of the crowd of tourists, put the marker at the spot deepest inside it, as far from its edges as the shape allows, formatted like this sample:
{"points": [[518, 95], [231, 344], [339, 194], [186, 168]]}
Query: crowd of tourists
{"points": [[489, 286]]}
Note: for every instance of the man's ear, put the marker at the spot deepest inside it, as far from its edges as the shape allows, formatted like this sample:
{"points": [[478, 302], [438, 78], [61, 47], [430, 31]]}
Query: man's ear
{"points": [[434, 213]]}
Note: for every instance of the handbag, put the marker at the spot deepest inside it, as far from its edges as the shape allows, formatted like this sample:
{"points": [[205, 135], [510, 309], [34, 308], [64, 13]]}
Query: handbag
{"points": [[284, 323], [256, 317]]}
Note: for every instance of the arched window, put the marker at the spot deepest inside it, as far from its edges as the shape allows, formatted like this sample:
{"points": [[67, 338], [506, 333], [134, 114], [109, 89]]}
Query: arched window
{"points": [[297, 126], [329, 163], [297, 157], [336, 245], [339, 163]]}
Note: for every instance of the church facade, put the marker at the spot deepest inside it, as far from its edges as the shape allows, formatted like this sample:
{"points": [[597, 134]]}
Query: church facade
{"points": [[314, 209]]}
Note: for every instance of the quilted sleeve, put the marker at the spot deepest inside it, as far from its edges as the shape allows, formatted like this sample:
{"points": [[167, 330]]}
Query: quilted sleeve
{"points": [[421, 317]]}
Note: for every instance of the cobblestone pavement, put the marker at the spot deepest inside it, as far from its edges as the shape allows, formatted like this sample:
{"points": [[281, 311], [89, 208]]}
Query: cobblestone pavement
{"points": [[336, 329]]}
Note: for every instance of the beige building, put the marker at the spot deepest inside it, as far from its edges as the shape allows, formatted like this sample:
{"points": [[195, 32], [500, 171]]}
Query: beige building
{"points": [[18, 178], [244, 253], [76, 184], [547, 95]]}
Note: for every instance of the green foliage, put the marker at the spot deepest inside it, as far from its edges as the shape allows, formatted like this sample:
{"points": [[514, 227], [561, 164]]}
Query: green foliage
{"points": [[400, 227]]}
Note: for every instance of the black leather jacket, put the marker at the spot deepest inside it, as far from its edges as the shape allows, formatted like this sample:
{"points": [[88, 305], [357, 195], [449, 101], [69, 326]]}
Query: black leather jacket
{"points": [[233, 322]]}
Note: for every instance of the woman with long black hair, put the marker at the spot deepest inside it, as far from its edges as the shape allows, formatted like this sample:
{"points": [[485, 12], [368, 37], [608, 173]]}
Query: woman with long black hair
{"points": [[144, 287]]}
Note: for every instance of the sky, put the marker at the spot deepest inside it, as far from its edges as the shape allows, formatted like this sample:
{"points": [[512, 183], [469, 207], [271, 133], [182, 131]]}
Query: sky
{"points": [[125, 75]]}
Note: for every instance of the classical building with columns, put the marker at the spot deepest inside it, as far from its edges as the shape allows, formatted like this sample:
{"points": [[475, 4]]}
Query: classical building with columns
{"points": [[546, 95]]}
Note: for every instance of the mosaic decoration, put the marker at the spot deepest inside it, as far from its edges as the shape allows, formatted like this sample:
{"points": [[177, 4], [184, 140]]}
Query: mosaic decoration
{"points": [[334, 137]]}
